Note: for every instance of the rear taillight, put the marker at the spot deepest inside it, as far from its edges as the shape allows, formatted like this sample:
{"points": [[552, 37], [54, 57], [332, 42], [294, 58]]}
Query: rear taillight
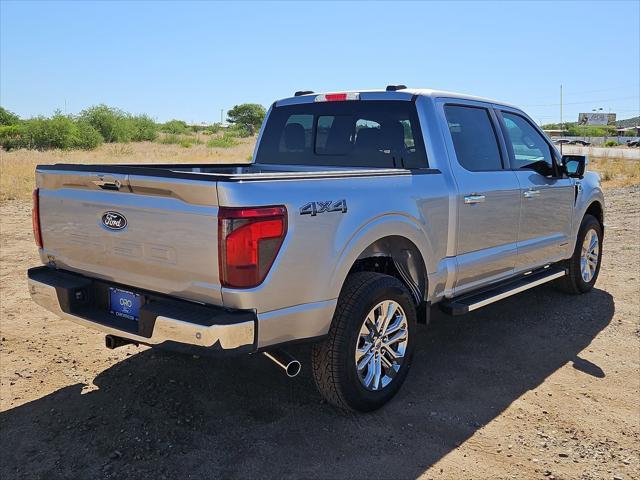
{"points": [[248, 241], [35, 218]]}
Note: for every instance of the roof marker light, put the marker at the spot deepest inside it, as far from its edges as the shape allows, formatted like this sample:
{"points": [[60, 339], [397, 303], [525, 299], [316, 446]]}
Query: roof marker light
{"points": [[338, 97]]}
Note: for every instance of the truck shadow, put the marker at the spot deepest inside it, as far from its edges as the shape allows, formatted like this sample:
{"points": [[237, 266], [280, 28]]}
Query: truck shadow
{"points": [[161, 415]]}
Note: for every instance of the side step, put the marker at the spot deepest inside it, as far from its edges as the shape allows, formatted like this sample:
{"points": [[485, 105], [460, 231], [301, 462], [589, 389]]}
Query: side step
{"points": [[474, 300]]}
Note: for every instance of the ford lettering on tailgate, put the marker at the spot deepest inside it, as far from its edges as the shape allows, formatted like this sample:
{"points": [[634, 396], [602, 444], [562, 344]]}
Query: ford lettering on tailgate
{"points": [[114, 220]]}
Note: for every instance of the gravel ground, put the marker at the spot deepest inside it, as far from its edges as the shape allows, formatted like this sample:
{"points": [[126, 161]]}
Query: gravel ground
{"points": [[542, 385]]}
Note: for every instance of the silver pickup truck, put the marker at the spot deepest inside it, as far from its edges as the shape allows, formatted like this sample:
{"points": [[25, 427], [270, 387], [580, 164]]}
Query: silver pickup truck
{"points": [[359, 212]]}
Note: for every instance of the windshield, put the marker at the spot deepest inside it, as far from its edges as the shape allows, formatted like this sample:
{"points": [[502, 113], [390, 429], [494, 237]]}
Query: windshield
{"points": [[357, 133]]}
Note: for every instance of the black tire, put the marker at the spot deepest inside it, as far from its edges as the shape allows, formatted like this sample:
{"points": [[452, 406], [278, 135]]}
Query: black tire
{"points": [[573, 282], [333, 359]]}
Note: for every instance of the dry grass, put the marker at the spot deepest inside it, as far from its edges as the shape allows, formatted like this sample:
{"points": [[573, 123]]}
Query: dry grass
{"points": [[616, 173], [17, 167]]}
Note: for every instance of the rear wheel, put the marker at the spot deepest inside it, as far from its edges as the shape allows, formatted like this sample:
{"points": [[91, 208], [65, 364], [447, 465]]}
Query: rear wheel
{"points": [[366, 357], [584, 266]]}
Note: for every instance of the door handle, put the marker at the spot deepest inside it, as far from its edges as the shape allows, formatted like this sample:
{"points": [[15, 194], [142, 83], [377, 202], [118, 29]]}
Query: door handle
{"points": [[531, 193], [473, 198]]}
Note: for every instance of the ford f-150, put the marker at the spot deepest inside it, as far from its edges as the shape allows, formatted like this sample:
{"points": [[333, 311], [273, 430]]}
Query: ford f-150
{"points": [[358, 213]]}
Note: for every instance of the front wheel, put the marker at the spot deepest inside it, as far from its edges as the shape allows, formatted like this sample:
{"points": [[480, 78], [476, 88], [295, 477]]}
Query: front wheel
{"points": [[365, 359], [584, 266]]}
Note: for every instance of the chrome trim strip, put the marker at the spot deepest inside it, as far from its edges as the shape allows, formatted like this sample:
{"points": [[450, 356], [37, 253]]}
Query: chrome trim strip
{"points": [[475, 306]]}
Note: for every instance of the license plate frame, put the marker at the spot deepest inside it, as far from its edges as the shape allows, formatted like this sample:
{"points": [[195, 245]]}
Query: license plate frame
{"points": [[124, 304]]}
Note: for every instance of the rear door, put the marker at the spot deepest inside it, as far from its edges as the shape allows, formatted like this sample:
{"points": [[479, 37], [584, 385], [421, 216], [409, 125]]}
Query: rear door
{"points": [[547, 197], [153, 233], [488, 196]]}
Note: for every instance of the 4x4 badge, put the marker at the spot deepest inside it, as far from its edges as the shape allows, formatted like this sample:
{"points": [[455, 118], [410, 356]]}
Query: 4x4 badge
{"points": [[314, 208]]}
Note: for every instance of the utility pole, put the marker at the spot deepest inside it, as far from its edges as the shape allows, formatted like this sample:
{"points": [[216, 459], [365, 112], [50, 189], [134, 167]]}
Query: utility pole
{"points": [[561, 124], [221, 116]]}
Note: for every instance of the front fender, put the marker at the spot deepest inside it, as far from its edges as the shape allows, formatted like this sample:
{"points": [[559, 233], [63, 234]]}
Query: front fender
{"points": [[590, 192]]}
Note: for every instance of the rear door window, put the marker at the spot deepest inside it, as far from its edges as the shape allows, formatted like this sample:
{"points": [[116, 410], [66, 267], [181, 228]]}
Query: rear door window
{"points": [[349, 134], [474, 138]]}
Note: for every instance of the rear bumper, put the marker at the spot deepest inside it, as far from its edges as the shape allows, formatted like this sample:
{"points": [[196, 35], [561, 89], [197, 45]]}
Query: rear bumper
{"points": [[164, 321]]}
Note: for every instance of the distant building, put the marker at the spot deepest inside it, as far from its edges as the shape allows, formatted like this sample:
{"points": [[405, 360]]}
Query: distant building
{"points": [[555, 133], [625, 131]]}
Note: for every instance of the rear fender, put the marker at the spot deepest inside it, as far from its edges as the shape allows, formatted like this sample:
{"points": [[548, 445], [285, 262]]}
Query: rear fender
{"points": [[369, 235]]}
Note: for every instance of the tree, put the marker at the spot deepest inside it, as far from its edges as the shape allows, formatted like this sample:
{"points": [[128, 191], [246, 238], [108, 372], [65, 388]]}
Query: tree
{"points": [[8, 118], [247, 114]]}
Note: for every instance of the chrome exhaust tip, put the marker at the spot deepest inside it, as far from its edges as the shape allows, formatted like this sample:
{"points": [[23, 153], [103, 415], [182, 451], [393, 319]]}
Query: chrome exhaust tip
{"points": [[286, 362]]}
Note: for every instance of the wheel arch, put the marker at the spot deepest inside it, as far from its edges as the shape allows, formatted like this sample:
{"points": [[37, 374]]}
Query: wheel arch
{"points": [[595, 208], [388, 240], [399, 257]]}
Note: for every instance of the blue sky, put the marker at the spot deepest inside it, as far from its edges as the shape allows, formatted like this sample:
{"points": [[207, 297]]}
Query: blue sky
{"points": [[188, 60]]}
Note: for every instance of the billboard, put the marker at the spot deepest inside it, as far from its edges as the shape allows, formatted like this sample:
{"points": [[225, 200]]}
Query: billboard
{"points": [[596, 118]]}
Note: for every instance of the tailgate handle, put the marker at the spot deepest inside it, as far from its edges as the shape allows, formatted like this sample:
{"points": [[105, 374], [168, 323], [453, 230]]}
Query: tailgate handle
{"points": [[108, 183]]}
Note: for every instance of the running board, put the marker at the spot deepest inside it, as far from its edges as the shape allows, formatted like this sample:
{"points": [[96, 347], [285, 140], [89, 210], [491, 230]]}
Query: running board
{"points": [[472, 301]]}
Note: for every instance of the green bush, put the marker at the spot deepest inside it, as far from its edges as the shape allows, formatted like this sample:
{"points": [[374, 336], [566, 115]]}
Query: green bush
{"points": [[13, 137], [238, 131], [225, 141], [41, 133], [197, 128], [88, 137], [176, 127], [183, 140], [101, 123], [169, 139], [590, 131], [215, 128], [610, 143], [8, 118], [144, 128], [59, 131], [113, 124], [186, 142]]}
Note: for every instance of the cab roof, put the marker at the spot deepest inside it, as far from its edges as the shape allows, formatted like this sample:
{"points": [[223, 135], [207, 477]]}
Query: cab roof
{"points": [[381, 94]]}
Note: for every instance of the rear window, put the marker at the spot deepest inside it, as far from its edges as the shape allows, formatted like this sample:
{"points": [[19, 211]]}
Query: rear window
{"points": [[347, 134]]}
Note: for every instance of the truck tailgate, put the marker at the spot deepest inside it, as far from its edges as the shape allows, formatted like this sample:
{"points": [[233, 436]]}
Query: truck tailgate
{"points": [[146, 232]]}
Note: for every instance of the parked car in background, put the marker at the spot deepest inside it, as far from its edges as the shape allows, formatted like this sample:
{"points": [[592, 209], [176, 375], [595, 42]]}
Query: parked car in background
{"points": [[359, 212], [561, 141], [584, 143]]}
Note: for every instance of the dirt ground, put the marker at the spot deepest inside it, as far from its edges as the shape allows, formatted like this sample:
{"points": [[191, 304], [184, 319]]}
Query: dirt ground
{"points": [[542, 385]]}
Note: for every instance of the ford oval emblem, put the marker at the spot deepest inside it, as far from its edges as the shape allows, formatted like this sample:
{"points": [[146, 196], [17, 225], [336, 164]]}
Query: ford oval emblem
{"points": [[114, 220]]}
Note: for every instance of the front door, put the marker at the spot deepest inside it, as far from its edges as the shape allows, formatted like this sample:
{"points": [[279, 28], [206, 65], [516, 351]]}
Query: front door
{"points": [[547, 197], [488, 197]]}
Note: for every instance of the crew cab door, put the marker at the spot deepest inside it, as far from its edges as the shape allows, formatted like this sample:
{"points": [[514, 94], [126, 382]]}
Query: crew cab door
{"points": [[487, 199], [547, 196]]}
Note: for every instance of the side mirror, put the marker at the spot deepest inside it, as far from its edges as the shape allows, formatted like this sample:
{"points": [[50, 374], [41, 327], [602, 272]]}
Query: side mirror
{"points": [[574, 165]]}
